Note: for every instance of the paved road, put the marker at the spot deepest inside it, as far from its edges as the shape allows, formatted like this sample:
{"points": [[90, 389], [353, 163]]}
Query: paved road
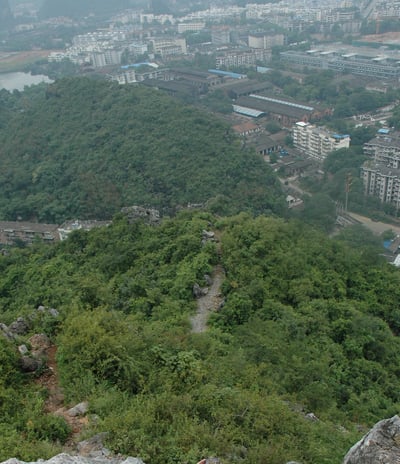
{"points": [[375, 226]]}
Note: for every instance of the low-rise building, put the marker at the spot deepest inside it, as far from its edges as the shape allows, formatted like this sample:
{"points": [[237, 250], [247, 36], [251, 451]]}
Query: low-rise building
{"points": [[285, 112], [359, 61], [12, 233], [242, 58], [246, 128], [69, 226]]}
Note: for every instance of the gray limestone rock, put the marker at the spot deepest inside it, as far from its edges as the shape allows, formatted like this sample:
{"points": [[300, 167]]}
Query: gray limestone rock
{"points": [[68, 459], [39, 344], [93, 446], [198, 291], [23, 349], [79, 410], [19, 327], [208, 235], [381, 445], [6, 332], [53, 312], [29, 364]]}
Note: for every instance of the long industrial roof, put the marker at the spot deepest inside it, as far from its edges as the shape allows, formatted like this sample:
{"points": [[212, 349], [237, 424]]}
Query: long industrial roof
{"points": [[247, 111]]}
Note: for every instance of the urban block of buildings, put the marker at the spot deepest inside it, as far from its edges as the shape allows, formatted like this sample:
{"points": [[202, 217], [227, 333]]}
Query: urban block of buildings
{"points": [[381, 173], [285, 112], [317, 142], [382, 64]]}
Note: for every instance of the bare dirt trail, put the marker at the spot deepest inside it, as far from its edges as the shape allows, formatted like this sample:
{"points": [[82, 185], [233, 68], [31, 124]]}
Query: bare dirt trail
{"points": [[54, 403], [209, 302]]}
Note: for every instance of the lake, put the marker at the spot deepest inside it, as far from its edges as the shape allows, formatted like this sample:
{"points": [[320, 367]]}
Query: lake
{"points": [[18, 80]]}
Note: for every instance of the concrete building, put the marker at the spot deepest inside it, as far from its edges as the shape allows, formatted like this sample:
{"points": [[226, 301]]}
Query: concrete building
{"points": [[382, 182], [263, 40], [384, 148], [285, 112], [202, 81], [138, 48], [193, 26], [70, 226], [106, 58], [12, 233], [317, 142], [365, 62], [165, 46], [242, 58], [220, 35]]}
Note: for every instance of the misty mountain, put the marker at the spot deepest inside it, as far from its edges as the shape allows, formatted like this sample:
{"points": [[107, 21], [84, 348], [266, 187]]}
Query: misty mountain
{"points": [[6, 16], [79, 8]]}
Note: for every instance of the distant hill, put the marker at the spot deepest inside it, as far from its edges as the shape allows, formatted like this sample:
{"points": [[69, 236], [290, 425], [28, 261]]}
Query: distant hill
{"points": [[78, 8], [6, 16], [85, 148]]}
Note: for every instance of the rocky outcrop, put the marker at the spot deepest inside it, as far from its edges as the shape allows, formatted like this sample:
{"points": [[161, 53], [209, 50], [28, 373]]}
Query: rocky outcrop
{"points": [[148, 215], [198, 291], [68, 459], [381, 445]]}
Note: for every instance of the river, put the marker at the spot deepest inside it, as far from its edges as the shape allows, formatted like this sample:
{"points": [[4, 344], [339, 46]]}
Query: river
{"points": [[18, 80]]}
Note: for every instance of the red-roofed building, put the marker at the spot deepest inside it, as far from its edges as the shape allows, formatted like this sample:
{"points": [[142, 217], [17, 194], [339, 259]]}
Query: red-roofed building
{"points": [[246, 128]]}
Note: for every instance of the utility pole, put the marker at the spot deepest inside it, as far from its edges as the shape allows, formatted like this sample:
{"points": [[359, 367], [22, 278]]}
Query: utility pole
{"points": [[349, 181]]}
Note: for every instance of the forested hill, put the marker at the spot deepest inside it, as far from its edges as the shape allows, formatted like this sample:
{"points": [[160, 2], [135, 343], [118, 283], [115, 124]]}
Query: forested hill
{"points": [[79, 8], [308, 326], [85, 148]]}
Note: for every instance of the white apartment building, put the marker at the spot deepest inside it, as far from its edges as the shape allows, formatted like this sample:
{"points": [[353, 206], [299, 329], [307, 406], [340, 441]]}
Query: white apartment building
{"points": [[317, 142], [193, 26], [242, 58], [106, 58], [262, 40], [162, 45], [138, 48]]}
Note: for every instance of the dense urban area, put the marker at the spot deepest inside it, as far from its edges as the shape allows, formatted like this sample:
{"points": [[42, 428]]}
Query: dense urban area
{"points": [[296, 81], [199, 231]]}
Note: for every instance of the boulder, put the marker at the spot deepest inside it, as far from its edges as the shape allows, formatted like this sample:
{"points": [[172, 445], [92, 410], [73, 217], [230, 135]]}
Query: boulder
{"points": [[39, 343], [53, 312], [19, 327], [198, 291], [381, 445], [68, 459], [23, 349], [208, 235], [6, 332], [79, 410], [29, 364], [93, 447]]}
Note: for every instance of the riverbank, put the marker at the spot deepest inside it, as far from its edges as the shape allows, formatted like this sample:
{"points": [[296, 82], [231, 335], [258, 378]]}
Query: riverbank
{"points": [[17, 61]]}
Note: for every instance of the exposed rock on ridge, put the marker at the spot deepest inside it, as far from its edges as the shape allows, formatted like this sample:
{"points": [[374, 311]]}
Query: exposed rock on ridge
{"points": [[67, 459], [381, 445]]}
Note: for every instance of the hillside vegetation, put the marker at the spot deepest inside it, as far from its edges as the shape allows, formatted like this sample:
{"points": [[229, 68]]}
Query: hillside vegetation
{"points": [[309, 325], [83, 148]]}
